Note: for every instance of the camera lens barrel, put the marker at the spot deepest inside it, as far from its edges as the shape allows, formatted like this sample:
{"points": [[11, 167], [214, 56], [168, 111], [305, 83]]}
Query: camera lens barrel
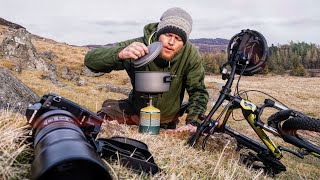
{"points": [[62, 150]]}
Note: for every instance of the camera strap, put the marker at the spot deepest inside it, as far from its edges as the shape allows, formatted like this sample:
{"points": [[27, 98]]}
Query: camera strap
{"points": [[131, 153]]}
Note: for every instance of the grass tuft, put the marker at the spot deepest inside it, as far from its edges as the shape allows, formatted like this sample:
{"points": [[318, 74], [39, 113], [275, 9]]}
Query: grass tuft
{"points": [[15, 154]]}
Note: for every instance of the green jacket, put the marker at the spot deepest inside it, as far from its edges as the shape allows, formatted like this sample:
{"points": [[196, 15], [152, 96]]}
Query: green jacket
{"points": [[186, 65]]}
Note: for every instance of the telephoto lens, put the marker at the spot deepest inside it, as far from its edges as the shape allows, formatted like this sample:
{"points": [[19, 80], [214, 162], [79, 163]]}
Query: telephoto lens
{"points": [[61, 149]]}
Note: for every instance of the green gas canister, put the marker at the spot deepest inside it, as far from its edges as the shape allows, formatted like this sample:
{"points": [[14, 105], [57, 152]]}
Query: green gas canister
{"points": [[149, 120]]}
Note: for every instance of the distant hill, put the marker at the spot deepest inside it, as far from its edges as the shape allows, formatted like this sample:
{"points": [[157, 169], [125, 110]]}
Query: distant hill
{"points": [[203, 44], [94, 46], [208, 45]]}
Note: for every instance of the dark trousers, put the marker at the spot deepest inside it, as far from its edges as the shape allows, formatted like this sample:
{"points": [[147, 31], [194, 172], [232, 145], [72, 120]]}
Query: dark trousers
{"points": [[125, 113]]}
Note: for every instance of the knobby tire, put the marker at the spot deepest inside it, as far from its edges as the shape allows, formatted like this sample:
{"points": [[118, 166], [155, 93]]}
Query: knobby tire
{"points": [[305, 128]]}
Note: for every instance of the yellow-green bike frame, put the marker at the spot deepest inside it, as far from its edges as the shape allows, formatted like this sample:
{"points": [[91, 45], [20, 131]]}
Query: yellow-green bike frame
{"points": [[249, 110]]}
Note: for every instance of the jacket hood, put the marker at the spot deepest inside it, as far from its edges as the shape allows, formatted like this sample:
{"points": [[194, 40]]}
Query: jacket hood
{"points": [[149, 32]]}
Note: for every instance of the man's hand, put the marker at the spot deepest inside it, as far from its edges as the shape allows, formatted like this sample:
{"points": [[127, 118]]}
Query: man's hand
{"points": [[135, 50], [187, 127]]}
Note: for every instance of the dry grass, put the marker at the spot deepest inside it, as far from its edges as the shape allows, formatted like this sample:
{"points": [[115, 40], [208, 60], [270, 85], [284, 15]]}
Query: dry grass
{"points": [[180, 161], [14, 153], [7, 63], [169, 149], [89, 96], [69, 56], [183, 162]]}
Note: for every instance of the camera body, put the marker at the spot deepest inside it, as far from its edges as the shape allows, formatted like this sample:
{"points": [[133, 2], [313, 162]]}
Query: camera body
{"points": [[63, 135], [88, 121]]}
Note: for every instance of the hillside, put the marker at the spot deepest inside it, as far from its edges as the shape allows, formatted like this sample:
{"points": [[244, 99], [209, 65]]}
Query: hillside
{"points": [[66, 76], [9, 24]]}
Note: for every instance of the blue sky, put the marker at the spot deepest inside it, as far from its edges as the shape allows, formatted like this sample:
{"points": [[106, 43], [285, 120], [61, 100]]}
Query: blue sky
{"points": [[82, 22]]}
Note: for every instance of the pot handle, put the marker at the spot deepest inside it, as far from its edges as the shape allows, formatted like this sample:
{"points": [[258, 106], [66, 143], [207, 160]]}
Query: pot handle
{"points": [[167, 79]]}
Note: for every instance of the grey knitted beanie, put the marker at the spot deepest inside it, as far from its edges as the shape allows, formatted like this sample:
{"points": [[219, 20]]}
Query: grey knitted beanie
{"points": [[177, 21]]}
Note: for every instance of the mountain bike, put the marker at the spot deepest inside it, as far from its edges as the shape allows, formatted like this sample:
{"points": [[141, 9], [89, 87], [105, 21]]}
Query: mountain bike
{"points": [[247, 55]]}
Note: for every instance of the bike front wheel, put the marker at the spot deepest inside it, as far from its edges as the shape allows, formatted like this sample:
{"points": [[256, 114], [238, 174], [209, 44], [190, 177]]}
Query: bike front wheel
{"points": [[306, 129]]}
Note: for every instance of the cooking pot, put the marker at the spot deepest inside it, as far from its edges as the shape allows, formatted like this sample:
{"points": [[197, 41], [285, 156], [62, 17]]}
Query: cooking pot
{"points": [[152, 81]]}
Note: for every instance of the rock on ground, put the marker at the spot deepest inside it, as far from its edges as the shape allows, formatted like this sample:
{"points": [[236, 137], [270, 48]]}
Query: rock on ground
{"points": [[14, 95]]}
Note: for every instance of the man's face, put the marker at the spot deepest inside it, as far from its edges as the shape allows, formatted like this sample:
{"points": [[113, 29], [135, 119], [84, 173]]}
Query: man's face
{"points": [[172, 44]]}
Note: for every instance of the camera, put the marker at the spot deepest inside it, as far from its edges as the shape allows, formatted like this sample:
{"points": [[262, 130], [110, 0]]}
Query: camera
{"points": [[63, 135]]}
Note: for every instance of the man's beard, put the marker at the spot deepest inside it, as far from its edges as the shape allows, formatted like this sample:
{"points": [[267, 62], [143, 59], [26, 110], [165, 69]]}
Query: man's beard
{"points": [[166, 57]]}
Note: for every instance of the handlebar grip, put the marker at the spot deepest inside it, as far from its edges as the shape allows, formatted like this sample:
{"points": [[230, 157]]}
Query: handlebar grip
{"points": [[272, 103], [269, 102]]}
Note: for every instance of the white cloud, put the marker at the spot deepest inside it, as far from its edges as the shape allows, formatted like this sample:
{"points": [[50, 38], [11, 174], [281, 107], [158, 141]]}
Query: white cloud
{"points": [[100, 22]]}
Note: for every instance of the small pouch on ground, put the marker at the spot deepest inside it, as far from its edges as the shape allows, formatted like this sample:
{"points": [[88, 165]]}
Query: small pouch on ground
{"points": [[132, 153]]}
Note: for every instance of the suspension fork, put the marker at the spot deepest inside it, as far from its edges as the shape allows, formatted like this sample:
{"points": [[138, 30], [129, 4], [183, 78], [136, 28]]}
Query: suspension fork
{"points": [[248, 110]]}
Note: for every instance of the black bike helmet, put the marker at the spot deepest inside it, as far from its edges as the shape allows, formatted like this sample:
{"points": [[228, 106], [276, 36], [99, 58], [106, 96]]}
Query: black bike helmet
{"points": [[250, 49]]}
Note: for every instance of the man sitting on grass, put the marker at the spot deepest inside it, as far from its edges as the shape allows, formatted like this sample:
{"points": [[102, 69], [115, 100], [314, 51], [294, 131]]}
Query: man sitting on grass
{"points": [[177, 56]]}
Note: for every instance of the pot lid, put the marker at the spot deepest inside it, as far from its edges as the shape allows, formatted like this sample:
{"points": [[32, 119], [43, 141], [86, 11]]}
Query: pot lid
{"points": [[154, 50]]}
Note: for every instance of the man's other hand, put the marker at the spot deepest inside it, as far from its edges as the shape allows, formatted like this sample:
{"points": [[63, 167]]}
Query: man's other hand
{"points": [[135, 50], [187, 127]]}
